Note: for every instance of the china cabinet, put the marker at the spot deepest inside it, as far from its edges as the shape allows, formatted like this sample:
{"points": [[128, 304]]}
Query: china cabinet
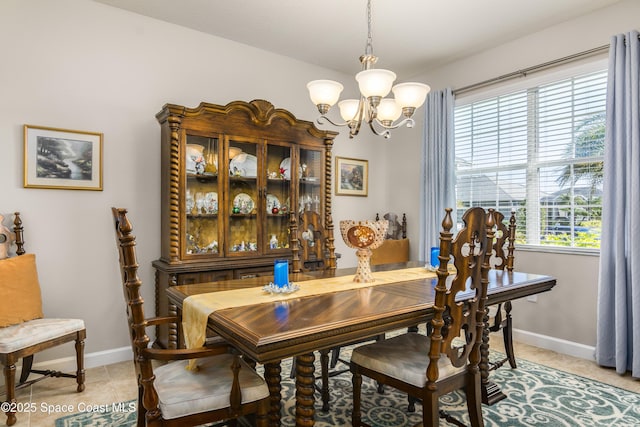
{"points": [[235, 180]]}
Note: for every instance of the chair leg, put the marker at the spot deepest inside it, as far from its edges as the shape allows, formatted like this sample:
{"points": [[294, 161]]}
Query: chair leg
{"points": [[27, 363], [292, 374], [10, 385], [430, 410], [142, 413], [412, 403], [80, 360], [262, 414], [474, 401], [356, 379], [324, 374], [335, 356], [508, 336]]}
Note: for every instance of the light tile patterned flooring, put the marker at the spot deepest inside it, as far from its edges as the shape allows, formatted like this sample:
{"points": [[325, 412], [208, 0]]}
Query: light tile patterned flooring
{"points": [[116, 383]]}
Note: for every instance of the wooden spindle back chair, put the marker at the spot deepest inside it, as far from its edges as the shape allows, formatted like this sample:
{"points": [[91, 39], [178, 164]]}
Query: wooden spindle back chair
{"points": [[503, 259], [223, 387], [309, 241], [427, 367]]}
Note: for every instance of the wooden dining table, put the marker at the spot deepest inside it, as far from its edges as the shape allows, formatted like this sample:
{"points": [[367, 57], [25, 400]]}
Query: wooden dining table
{"points": [[272, 331]]}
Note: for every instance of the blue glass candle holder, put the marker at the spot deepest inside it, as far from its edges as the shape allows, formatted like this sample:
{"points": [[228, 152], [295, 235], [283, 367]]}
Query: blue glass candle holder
{"points": [[435, 253], [281, 272]]}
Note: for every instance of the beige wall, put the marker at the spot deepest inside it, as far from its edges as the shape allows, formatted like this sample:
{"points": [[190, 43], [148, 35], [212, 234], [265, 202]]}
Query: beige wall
{"points": [[569, 310], [77, 64]]}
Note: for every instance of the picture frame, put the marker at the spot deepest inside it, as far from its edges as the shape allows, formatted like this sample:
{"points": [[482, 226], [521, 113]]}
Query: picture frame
{"points": [[352, 177], [62, 158]]}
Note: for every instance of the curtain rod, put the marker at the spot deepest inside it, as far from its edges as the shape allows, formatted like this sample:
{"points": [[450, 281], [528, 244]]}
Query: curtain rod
{"points": [[525, 71]]}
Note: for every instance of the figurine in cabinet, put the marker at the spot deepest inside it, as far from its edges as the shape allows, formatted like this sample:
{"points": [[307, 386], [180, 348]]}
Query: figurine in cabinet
{"points": [[195, 159]]}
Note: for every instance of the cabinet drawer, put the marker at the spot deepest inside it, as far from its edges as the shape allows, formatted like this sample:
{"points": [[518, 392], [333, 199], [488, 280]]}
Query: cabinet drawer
{"points": [[247, 273], [204, 276]]}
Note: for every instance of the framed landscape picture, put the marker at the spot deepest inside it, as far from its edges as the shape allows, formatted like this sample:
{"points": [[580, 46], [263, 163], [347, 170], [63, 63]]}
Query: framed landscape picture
{"points": [[62, 158], [352, 177]]}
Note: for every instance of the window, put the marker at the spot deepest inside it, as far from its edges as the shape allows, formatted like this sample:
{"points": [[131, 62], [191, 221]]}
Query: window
{"points": [[540, 151]]}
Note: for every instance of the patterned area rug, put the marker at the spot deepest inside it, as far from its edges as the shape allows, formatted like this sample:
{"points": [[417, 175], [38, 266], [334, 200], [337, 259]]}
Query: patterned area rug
{"points": [[536, 396]]}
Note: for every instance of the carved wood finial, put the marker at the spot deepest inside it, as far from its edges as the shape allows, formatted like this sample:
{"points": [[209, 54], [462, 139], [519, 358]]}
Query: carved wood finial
{"points": [[18, 230]]}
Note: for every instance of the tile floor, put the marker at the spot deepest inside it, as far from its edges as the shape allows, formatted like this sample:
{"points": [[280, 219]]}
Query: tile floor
{"points": [[116, 383]]}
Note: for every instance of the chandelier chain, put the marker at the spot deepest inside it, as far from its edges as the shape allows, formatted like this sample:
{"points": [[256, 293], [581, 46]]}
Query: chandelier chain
{"points": [[368, 50]]}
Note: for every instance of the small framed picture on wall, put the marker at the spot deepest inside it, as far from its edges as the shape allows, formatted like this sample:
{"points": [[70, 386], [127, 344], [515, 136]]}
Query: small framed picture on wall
{"points": [[62, 158], [352, 177]]}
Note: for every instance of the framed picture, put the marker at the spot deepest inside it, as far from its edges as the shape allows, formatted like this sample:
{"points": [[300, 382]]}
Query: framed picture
{"points": [[352, 177], [62, 158]]}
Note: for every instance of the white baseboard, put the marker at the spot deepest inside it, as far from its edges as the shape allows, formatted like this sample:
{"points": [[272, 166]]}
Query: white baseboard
{"points": [[116, 355], [91, 360], [555, 344]]}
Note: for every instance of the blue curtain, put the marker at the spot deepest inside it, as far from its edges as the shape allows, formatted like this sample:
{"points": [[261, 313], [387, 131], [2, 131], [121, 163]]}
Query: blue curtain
{"points": [[618, 339], [438, 168]]}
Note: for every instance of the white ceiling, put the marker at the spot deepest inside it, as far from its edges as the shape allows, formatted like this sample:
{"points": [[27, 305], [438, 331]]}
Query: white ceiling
{"points": [[409, 36]]}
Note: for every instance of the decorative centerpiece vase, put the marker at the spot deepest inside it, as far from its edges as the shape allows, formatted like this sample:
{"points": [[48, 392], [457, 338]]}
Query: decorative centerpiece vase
{"points": [[363, 236]]}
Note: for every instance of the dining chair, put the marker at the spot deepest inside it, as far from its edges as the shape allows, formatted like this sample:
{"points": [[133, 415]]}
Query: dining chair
{"points": [[310, 243], [24, 331], [309, 247], [503, 259], [222, 387], [395, 248], [427, 367]]}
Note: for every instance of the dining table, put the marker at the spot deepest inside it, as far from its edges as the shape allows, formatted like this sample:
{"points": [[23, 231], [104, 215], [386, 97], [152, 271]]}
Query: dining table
{"points": [[329, 310]]}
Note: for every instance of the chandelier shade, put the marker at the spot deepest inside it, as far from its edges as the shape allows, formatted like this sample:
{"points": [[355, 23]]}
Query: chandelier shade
{"points": [[375, 82], [380, 113], [324, 92], [411, 94], [388, 110], [349, 109]]}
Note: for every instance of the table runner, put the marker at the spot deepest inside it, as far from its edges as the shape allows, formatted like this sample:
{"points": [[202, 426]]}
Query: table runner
{"points": [[196, 309]]}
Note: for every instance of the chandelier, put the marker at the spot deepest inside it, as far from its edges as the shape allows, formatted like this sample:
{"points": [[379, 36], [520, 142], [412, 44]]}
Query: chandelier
{"points": [[380, 113]]}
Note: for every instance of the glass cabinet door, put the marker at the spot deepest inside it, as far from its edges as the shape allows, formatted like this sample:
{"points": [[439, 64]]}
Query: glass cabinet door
{"points": [[310, 180], [278, 197], [242, 208], [201, 196]]}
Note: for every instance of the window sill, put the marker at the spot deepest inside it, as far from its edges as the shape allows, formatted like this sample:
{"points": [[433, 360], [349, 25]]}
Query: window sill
{"points": [[558, 250]]}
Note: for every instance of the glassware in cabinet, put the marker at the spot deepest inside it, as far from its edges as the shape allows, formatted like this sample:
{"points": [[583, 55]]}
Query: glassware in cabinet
{"points": [[310, 180], [202, 228], [243, 200], [278, 196]]}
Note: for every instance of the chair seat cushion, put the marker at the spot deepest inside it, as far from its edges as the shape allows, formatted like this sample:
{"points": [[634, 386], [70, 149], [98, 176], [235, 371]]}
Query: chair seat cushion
{"points": [[20, 298], [404, 357], [183, 392], [17, 337]]}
